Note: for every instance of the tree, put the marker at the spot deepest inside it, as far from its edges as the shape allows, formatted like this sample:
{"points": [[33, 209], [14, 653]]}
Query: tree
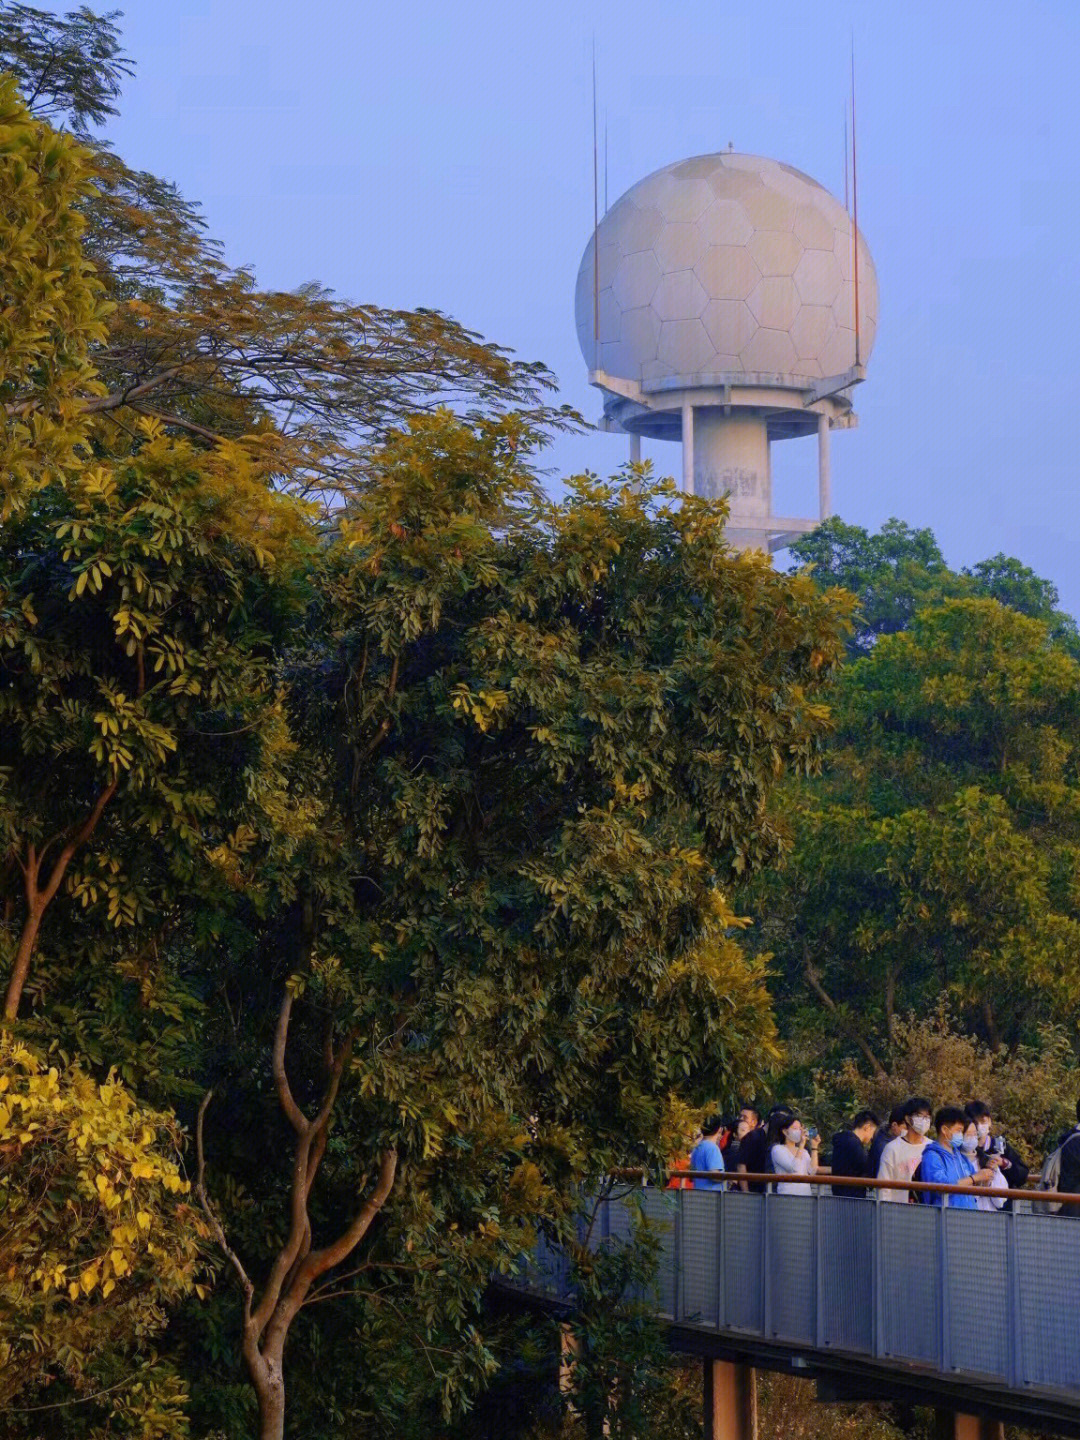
{"points": [[304, 380], [897, 572], [98, 1242], [939, 852], [553, 731]]}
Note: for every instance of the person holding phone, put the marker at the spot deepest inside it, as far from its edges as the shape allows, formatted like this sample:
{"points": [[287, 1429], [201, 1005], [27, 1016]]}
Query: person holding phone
{"points": [[794, 1152]]}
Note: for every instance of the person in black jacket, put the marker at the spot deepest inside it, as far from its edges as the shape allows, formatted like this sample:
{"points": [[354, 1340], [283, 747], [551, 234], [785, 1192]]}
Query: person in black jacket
{"points": [[1069, 1180], [894, 1126], [849, 1153], [1012, 1166]]}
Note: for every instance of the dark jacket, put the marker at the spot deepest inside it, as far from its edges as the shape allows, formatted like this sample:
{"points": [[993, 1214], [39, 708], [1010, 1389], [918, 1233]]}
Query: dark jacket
{"points": [[1016, 1173], [849, 1158], [1069, 1183], [877, 1145]]}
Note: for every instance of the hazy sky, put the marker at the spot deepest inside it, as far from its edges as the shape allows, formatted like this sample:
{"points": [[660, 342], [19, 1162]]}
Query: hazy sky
{"points": [[412, 153]]}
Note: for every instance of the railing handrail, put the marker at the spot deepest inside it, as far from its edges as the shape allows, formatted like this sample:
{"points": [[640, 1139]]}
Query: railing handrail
{"points": [[737, 1177]]}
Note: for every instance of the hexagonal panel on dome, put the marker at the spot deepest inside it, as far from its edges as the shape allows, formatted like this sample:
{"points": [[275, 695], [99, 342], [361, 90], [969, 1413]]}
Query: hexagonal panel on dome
{"points": [[839, 354], [685, 346], [769, 352], [843, 307], [725, 222], [636, 279], [774, 303], [679, 296], [769, 210], [814, 229], [609, 315], [776, 252], [731, 184], [687, 201], [679, 246], [638, 228], [811, 329], [728, 272], [699, 168], [639, 332], [817, 277], [729, 324]]}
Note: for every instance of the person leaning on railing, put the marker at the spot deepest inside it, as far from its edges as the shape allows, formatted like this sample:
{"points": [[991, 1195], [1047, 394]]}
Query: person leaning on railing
{"points": [[944, 1162], [1069, 1182]]}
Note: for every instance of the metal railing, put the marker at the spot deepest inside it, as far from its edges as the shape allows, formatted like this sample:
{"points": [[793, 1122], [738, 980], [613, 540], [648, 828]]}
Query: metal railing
{"points": [[991, 1296]]}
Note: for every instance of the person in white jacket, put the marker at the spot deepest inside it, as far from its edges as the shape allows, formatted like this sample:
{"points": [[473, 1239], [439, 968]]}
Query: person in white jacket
{"points": [[900, 1158]]}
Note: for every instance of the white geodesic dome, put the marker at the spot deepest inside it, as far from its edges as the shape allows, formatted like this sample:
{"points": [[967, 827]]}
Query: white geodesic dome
{"points": [[725, 265]]}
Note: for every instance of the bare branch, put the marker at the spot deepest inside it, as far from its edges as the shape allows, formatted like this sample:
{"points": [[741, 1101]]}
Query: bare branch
{"points": [[296, 1117], [211, 1215]]}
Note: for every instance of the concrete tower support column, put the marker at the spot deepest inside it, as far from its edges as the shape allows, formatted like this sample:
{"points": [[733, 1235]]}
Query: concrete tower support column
{"points": [[731, 456], [824, 468], [730, 1401], [635, 449], [688, 449]]}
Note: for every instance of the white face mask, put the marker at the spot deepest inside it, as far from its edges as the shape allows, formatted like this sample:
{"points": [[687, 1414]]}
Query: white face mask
{"points": [[969, 1144], [794, 1135], [984, 1129], [920, 1124]]}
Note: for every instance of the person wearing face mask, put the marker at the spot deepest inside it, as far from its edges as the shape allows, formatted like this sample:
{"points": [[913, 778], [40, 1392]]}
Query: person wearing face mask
{"points": [[1012, 1167], [794, 1152], [945, 1163], [900, 1158], [975, 1155]]}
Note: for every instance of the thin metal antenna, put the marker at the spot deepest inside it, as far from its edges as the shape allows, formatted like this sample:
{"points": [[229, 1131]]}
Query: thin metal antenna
{"points": [[596, 217], [847, 166], [855, 203], [605, 163]]}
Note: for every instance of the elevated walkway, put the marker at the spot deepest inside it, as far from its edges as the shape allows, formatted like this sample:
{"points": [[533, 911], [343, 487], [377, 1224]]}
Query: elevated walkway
{"points": [[975, 1313]]}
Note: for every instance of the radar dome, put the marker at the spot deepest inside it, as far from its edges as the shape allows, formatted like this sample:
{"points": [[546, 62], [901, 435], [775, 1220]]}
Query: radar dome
{"points": [[725, 266]]}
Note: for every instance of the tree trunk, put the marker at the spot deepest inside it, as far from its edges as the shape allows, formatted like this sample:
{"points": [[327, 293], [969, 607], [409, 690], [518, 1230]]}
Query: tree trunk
{"points": [[268, 1381], [21, 969]]}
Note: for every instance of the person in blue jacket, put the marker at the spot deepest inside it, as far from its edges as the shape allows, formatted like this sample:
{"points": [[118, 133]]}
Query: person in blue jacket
{"points": [[944, 1162], [707, 1155]]}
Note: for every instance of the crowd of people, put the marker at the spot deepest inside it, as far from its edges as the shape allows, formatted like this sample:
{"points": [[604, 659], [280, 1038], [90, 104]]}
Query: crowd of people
{"points": [[957, 1145]]}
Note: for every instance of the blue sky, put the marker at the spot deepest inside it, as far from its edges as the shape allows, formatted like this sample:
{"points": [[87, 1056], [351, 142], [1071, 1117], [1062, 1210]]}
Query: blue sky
{"points": [[413, 153]]}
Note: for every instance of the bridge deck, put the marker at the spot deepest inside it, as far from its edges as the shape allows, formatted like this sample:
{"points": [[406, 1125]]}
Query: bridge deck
{"points": [[914, 1298]]}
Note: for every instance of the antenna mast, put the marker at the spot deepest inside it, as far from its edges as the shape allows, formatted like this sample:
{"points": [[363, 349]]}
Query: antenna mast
{"points": [[596, 217], [855, 205]]}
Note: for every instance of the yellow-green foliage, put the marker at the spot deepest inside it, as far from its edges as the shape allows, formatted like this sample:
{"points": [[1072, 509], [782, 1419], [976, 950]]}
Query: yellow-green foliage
{"points": [[52, 308], [97, 1235]]}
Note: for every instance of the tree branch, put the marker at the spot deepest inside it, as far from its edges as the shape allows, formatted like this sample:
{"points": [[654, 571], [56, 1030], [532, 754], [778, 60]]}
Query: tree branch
{"points": [[813, 979], [211, 1215], [296, 1117]]}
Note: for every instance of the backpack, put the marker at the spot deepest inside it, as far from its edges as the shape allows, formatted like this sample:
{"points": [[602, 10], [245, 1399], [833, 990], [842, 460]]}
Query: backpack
{"points": [[1049, 1179]]}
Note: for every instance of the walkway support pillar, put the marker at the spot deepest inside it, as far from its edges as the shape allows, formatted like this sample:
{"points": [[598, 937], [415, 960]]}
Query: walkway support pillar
{"points": [[730, 1401], [969, 1427]]}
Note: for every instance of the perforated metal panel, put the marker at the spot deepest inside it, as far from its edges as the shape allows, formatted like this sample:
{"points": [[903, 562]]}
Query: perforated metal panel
{"points": [[743, 1251], [910, 1279], [701, 1216], [661, 1209], [1048, 1260], [846, 1230], [978, 1302], [792, 1267]]}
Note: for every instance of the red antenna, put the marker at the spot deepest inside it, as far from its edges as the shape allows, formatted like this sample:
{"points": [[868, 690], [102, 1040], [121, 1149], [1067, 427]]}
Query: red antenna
{"points": [[596, 217], [854, 202]]}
